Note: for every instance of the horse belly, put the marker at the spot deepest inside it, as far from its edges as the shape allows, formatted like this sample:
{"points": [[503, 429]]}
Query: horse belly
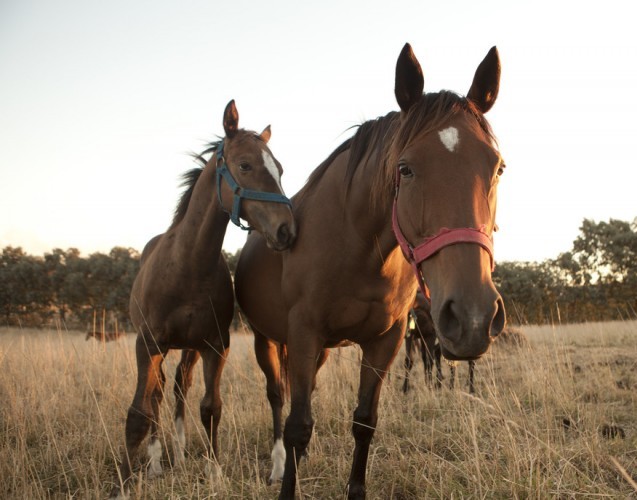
{"points": [[358, 321]]}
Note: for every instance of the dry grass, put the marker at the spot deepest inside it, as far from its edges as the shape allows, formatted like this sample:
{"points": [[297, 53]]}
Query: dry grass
{"points": [[535, 430]]}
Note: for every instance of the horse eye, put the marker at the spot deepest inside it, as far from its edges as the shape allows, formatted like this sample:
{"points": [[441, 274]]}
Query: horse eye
{"points": [[405, 171], [244, 167], [501, 168]]}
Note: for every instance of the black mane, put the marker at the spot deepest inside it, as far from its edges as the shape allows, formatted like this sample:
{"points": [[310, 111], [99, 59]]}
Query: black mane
{"points": [[189, 179]]}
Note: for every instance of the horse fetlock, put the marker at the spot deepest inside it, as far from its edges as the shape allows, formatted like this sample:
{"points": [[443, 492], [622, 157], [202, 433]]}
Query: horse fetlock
{"points": [[154, 459], [278, 461], [356, 491], [179, 441]]}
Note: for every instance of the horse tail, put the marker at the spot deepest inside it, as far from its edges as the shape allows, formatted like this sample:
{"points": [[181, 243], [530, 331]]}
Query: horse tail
{"points": [[284, 381]]}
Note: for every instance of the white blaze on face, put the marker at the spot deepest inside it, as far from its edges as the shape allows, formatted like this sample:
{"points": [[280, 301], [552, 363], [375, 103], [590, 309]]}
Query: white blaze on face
{"points": [[450, 138], [268, 161]]}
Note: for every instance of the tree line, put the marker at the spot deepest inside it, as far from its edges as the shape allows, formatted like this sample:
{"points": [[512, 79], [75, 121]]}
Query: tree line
{"points": [[596, 280]]}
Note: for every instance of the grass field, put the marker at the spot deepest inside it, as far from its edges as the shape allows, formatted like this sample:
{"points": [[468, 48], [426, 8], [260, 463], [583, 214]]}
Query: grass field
{"points": [[556, 419]]}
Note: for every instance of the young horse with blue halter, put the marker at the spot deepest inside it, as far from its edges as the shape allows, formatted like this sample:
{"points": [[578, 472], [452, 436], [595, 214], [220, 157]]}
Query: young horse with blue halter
{"points": [[182, 297], [433, 165]]}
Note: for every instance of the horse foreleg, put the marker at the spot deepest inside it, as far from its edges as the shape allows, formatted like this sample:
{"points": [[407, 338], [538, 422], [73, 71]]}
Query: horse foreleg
{"points": [[409, 361], [472, 365], [304, 354], [183, 382], [452, 374], [427, 351], [142, 414], [267, 356], [377, 358], [210, 407], [437, 355]]}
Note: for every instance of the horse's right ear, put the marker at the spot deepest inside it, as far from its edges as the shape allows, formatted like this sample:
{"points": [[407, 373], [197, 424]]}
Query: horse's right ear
{"points": [[231, 120], [409, 79]]}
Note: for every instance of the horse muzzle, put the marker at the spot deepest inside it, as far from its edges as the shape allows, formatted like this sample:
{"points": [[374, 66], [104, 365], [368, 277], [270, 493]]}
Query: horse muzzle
{"points": [[466, 330], [283, 238]]}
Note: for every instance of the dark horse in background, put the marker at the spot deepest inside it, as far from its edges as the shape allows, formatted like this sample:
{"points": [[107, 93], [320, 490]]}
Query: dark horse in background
{"points": [[421, 339], [182, 297], [404, 177]]}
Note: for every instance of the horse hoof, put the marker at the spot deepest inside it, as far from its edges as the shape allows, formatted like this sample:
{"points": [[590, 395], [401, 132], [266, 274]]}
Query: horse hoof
{"points": [[118, 494]]}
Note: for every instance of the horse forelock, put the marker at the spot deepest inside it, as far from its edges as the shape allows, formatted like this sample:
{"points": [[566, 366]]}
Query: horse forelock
{"points": [[430, 113]]}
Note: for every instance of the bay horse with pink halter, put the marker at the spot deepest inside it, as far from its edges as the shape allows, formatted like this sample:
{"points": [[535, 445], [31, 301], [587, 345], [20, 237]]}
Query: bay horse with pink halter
{"points": [[182, 297], [410, 199]]}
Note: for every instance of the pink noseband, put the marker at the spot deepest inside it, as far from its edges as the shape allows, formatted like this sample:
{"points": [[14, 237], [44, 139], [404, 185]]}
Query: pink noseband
{"points": [[432, 245]]}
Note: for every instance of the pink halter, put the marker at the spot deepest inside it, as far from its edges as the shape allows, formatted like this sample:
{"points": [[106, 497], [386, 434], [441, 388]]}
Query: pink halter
{"points": [[430, 246]]}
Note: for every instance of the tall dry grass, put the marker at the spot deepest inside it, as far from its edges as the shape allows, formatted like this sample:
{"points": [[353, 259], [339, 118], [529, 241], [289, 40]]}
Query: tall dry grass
{"points": [[540, 425]]}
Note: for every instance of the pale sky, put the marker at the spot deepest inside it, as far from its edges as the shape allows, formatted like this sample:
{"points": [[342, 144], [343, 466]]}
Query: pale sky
{"points": [[100, 102]]}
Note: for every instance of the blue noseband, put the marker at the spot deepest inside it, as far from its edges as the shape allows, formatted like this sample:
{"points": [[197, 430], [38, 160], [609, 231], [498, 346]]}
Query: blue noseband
{"points": [[240, 193]]}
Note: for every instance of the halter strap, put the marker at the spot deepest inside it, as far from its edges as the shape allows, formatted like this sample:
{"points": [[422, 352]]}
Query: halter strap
{"points": [[432, 245], [240, 193]]}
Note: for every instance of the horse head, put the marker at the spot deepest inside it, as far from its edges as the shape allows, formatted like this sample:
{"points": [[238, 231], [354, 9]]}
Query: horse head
{"points": [[249, 183], [447, 167]]}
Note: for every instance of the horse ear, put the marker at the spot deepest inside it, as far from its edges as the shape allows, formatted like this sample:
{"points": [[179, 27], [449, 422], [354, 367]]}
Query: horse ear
{"points": [[486, 82], [266, 134], [409, 79], [231, 120]]}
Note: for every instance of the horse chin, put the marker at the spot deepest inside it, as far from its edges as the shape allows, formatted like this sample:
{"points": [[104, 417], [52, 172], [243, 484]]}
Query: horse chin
{"points": [[452, 357], [278, 245]]}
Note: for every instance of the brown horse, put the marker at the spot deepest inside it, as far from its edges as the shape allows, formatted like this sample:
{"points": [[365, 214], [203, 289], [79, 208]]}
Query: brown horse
{"points": [[182, 297], [104, 336], [401, 178]]}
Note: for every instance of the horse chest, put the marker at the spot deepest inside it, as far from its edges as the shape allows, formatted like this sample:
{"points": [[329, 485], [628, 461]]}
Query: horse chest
{"points": [[357, 320]]}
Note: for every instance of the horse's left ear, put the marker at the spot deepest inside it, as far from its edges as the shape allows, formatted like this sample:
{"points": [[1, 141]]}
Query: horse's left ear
{"points": [[266, 134], [486, 82], [409, 79], [231, 120]]}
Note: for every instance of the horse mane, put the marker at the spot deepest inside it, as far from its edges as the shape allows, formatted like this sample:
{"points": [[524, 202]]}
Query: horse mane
{"points": [[189, 179], [386, 135]]}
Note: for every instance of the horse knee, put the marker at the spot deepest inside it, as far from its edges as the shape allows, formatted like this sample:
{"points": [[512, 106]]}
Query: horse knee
{"points": [[137, 426], [297, 434], [273, 392], [363, 426]]}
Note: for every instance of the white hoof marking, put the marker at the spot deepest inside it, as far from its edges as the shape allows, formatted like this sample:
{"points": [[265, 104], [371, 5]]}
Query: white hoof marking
{"points": [[278, 461]]}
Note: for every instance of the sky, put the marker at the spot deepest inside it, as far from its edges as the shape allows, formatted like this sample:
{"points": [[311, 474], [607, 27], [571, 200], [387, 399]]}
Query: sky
{"points": [[101, 102]]}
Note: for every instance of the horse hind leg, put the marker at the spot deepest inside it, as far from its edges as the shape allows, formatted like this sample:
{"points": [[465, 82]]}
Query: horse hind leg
{"points": [[269, 358], [183, 382], [143, 414], [211, 404], [154, 450]]}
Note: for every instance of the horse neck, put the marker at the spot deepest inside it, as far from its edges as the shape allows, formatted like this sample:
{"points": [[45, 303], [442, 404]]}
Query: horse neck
{"points": [[375, 224], [201, 232]]}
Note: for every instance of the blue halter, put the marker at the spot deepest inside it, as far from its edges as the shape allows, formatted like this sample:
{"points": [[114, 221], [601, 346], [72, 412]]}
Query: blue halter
{"points": [[239, 192]]}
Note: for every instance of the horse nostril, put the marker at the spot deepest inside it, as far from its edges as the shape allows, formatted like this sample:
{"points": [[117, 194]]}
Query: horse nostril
{"points": [[448, 321], [283, 234], [499, 319]]}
